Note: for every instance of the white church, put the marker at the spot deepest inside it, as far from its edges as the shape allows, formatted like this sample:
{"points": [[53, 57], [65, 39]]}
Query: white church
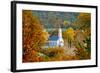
{"points": [[56, 41]]}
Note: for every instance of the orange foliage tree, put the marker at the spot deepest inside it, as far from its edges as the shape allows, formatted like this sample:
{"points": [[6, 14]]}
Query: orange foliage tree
{"points": [[34, 35]]}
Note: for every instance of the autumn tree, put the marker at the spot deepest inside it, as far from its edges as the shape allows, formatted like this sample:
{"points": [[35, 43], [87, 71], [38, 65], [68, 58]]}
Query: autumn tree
{"points": [[69, 36], [66, 23], [83, 37], [83, 21], [34, 35]]}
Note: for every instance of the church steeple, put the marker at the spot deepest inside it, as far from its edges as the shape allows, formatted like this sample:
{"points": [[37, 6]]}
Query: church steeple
{"points": [[60, 39], [60, 33]]}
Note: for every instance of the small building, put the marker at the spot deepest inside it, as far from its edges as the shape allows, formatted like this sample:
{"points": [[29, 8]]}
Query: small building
{"points": [[55, 41]]}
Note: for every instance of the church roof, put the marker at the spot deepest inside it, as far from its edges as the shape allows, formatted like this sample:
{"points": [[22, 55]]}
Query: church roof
{"points": [[53, 38]]}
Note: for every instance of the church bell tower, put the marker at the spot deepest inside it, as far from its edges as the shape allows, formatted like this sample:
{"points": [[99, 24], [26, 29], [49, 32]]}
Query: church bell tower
{"points": [[60, 39]]}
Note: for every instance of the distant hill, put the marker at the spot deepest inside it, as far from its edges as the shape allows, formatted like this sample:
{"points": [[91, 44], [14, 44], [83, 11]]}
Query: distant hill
{"points": [[51, 19]]}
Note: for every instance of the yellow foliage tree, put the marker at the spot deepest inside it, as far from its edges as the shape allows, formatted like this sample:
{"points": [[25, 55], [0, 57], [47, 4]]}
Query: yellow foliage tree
{"points": [[69, 35], [66, 22]]}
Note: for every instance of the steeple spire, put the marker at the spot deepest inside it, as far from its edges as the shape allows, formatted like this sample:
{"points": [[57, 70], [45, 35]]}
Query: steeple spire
{"points": [[60, 33], [60, 40]]}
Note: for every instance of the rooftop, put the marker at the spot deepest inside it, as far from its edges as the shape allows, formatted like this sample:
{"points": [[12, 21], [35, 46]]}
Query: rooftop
{"points": [[53, 38]]}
